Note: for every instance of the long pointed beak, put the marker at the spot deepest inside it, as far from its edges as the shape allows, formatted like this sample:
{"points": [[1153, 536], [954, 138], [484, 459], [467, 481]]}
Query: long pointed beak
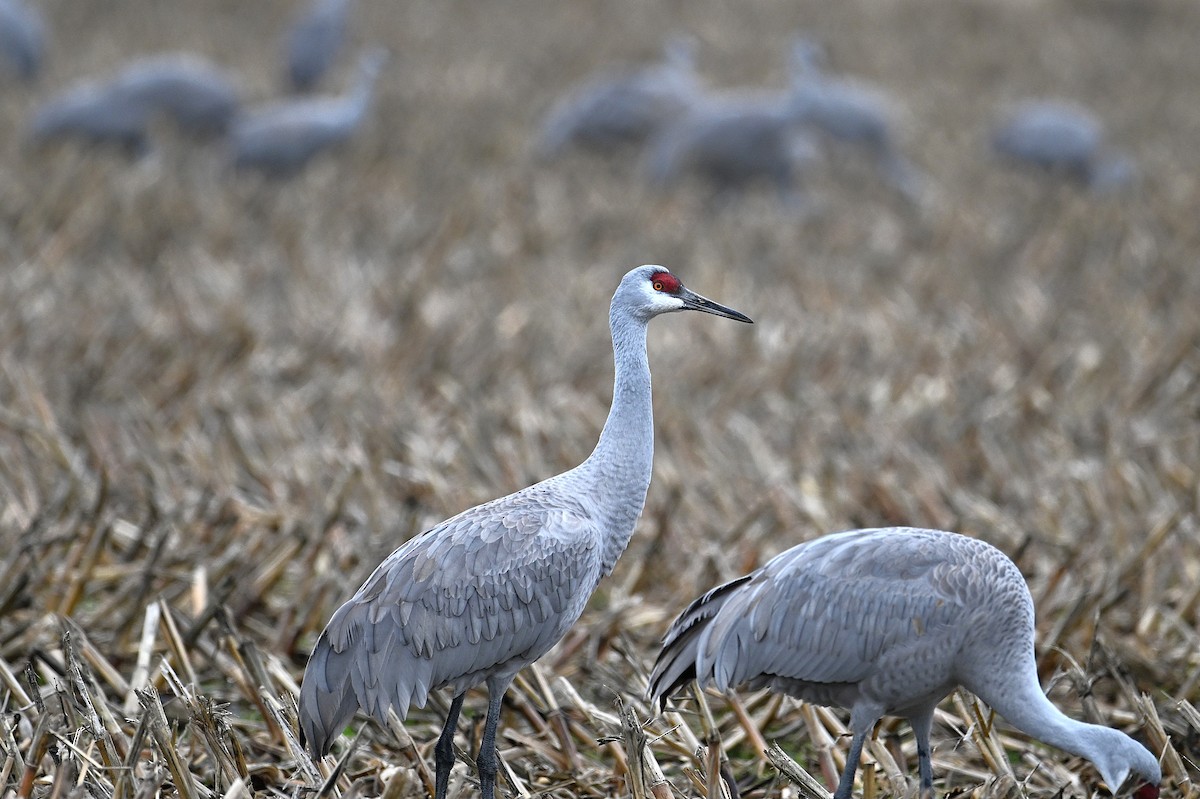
{"points": [[694, 302]]}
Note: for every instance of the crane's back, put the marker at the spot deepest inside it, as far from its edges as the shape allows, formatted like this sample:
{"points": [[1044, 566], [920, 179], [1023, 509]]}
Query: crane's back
{"points": [[894, 616]]}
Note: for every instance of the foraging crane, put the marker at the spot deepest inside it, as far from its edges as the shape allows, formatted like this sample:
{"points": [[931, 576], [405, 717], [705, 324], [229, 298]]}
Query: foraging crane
{"points": [[313, 42], [887, 622], [487, 592], [22, 38], [281, 138], [1062, 137], [733, 139], [198, 95], [95, 112], [853, 112], [624, 106]]}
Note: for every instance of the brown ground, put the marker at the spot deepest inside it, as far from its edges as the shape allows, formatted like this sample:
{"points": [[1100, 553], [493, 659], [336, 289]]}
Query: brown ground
{"points": [[223, 401]]}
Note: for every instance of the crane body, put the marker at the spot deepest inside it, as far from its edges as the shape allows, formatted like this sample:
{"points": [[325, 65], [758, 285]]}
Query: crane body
{"points": [[197, 94], [483, 594], [281, 138], [733, 139], [314, 41], [887, 622], [22, 38], [94, 112], [624, 106], [851, 111], [1064, 138]]}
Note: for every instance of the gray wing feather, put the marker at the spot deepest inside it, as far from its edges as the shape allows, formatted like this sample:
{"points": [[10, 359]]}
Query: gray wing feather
{"points": [[488, 590], [676, 663], [832, 611]]}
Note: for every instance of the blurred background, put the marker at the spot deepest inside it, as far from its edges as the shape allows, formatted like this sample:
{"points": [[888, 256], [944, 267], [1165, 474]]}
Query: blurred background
{"points": [[229, 389]]}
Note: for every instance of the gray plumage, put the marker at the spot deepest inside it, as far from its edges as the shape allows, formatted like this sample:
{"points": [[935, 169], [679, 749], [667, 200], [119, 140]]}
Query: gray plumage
{"points": [[314, 41], [198, 95], [22, 38], [854, 112], [734, 139], [281, 138], [887, 622], [624, 106], [95, 112], [1063, 138], [483, 594]]}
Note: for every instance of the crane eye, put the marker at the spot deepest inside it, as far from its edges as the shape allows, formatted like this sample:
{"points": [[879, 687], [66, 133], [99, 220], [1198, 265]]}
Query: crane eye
{"points": [[664, 282]]}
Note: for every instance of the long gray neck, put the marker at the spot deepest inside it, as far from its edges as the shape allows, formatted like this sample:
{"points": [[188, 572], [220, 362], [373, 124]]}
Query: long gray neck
{"points": [[361, 94], [1023, 704], [1026, 707], [620, 465]]}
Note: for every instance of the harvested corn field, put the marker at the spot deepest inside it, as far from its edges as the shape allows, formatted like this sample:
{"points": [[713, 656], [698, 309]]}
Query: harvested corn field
{"points": [[225, 398]]}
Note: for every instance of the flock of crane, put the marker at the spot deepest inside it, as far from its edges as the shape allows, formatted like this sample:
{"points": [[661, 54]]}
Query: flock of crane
{"points": [[881, 622], [733, 138], [202, 98]]}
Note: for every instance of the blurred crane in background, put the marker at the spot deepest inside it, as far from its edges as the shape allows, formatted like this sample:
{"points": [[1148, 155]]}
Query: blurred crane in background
{"points": [[314, 41], [733, 139], [22, 38], [94, 112], [198, 95], [280, 138], [853, 112], [1062, 138], [624, 106]]}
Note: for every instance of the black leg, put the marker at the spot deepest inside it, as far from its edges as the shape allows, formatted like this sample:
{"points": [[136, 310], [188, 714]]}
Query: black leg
{"points": [[443, 753], [921, 727], [487, 761], [846, 783]]}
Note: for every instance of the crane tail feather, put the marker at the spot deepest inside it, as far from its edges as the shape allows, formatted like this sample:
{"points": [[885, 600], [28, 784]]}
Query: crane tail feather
{"points": [[677, 662], [327, 700]]}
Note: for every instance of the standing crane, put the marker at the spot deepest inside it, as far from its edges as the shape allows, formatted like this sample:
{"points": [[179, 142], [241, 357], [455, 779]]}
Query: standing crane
{"points": [[281, 138], [313, 42], [22, 38], [853, 112], [485, 593], [197, 94], [95, 112], [733, 139], [624, 106], [887, 622], [1064, 138]]}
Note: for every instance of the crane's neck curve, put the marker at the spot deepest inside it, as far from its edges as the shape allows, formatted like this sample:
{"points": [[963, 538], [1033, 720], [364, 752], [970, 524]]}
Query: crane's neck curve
{"points": [[619, 467], [1023, 704]]}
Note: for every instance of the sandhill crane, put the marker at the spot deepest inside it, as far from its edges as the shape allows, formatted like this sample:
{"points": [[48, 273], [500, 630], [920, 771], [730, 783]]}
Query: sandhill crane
{"points": [[887, 622], [487, 592], [314, 40], [95, 112], [193, 91], [853, 112], [22, 38], [624, 106], [733, 139], [281, 138], [1062, 137]]}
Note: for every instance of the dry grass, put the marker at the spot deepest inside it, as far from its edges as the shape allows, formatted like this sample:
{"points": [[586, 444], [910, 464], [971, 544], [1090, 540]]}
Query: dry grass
{"points": [[223, 401]]}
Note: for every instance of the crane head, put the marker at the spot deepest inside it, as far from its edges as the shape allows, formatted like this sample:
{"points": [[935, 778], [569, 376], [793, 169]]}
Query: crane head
{"points": [[650, 290], [1119, 757]]}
